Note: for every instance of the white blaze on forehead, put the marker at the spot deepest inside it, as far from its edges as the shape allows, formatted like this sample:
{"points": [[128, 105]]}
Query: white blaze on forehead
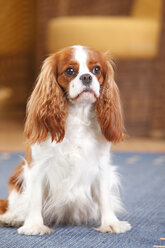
{"points": [[81, 56]]}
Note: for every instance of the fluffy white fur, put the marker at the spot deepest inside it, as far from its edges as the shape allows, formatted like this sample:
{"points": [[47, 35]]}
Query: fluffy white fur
{"points": [[73, 181]]}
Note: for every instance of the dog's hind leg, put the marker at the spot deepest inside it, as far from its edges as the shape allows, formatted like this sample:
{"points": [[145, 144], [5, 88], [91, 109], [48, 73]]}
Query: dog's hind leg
{"points": [[10, 209], [9, 213], [3, 206]]}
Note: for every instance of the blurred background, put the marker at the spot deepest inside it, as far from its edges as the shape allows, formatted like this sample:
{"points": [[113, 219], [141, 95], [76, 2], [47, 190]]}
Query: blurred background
{"points": [[133, 31]]}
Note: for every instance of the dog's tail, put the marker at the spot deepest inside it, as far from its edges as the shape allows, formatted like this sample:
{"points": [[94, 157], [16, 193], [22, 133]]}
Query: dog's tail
{"points": [[3, 206]]}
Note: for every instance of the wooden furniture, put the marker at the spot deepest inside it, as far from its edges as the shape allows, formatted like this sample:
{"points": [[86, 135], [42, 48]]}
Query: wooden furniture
{"points": [[17, 29]]}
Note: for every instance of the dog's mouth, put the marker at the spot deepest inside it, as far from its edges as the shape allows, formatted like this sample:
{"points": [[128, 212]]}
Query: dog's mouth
{"points": [[86, 91]]}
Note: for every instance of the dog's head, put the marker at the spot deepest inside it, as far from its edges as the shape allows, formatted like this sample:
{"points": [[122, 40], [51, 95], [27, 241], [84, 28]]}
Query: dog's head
{"points": [[74, 75]]}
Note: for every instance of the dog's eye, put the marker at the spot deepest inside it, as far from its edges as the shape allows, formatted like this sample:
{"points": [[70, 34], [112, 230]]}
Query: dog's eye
{"points": [[96, 70], [70, 71]]}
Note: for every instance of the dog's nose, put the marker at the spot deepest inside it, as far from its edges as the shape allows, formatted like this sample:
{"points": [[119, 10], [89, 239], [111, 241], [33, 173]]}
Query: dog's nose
{"points": [[86, 79]]}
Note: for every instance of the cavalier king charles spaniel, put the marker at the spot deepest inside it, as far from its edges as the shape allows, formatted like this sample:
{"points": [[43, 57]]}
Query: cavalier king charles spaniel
{"points": [[73, 115]]}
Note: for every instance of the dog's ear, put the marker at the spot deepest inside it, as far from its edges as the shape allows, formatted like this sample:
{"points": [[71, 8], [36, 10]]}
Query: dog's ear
{"points": [[47, 107], [108, 107]]}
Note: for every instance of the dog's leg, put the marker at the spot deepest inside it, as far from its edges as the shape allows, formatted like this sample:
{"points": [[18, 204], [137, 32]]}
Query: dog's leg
{"points": [[108, 202], [109, 221], [33, 224], [3, 206], [3, 209], [10, 212]]}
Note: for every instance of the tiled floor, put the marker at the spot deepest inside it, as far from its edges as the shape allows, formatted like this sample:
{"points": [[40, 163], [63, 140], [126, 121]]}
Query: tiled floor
{"points": [[12, 139]]}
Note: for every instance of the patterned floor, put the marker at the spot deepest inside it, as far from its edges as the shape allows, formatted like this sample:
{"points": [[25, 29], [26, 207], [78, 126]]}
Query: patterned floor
{"points": [[143, 180]]}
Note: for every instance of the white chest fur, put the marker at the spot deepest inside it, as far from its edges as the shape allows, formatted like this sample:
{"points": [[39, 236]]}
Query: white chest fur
{"points": [[70, 169]]}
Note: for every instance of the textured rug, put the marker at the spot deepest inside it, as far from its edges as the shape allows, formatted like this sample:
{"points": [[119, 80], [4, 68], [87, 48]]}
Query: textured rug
{"points": [[143, 180]]}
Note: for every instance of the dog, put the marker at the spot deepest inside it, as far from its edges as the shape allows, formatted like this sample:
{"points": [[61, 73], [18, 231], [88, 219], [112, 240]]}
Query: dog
{"points": [[73, 116]]}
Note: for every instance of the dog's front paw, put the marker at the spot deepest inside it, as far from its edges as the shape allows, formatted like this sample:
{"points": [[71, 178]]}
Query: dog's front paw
{"points": [[35, 229], [115, 227], [120, 227]]}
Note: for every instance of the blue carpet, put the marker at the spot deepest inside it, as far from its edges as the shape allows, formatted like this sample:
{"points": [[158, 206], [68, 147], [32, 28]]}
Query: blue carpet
{"points": [[143, 180]]}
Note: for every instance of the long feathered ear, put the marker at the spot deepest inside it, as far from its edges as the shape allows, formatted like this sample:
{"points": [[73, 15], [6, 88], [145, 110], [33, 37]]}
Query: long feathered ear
{"points": [[47, 107], [108, 108]]}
